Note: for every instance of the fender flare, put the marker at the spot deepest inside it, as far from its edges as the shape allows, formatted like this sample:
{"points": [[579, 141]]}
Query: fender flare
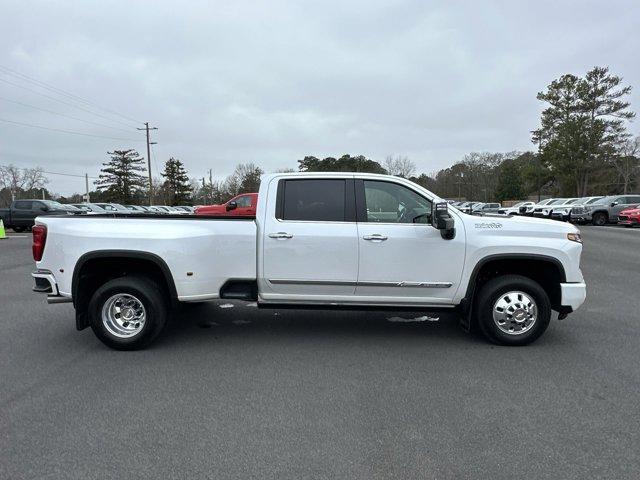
{"points": [[134, 254], [466, 303]]}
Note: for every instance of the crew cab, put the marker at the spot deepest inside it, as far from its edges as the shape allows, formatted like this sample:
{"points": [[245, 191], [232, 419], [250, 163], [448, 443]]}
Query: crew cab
{"points": [[240, 205], [21, 214], [328, 240]]}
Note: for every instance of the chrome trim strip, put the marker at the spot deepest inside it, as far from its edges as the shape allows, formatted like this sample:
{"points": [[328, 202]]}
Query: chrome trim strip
{"points": [[406, 284], [282, 281]]}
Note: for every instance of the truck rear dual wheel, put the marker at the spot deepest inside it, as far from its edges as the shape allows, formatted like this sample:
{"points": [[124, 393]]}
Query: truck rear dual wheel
{"points": [[512, 310], [128, 313]]}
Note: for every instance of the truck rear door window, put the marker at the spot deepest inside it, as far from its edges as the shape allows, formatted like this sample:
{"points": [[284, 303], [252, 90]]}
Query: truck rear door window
{"points": [[314, 200], [23, 205]]}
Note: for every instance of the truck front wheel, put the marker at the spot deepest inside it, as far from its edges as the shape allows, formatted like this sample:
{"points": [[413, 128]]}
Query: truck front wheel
{"points": [[512, 310], [128, 313]]}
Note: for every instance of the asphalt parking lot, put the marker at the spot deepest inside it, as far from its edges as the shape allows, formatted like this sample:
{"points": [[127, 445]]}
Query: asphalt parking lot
{"points": [[234, 392]]}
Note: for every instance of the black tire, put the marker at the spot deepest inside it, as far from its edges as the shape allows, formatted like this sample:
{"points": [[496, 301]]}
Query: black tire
{"points": [[491, 292], [155, 306], [599, 219], [18, 229]]}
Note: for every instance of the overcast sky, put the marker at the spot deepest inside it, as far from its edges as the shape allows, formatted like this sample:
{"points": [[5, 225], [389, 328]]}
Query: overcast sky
{"points": [[270, 82]]}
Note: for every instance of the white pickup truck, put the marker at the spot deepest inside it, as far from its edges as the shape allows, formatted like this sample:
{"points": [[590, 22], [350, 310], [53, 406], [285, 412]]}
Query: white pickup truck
{"points": [[334, 240]]}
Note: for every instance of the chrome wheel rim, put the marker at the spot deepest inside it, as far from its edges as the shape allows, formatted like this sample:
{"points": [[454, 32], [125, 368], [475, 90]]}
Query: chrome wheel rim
{"points": [[123, 315], [515, 313]]}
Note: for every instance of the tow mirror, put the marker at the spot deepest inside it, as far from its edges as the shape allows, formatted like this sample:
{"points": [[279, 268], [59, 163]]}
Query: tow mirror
{"points": [[442, 220], [232, 206]]}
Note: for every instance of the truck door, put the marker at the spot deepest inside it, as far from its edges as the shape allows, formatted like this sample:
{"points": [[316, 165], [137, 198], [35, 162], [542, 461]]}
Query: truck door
{"points": [[22, 214], [244, 206], [403, 258], [310, 242]]}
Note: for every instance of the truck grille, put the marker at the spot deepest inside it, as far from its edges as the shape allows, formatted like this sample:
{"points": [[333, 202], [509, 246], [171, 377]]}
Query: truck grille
{"points": [[577, 210]]}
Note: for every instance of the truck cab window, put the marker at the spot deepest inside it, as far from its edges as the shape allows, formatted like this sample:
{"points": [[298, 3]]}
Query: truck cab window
{"points": [[393, 203], [23, 205], [244, 201], [314, 200]]}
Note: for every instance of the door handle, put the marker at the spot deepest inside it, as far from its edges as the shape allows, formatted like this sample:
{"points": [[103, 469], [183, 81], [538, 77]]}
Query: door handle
{"points": [[280, 235], [375, 237]]}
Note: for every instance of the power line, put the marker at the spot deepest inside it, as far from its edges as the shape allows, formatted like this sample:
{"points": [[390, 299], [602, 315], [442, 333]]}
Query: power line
{"points": [[60, 91], [68, 174], [63, 115], [65, 103], [67, 131]]}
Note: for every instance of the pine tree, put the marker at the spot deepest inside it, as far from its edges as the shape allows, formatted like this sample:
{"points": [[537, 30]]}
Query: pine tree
{"points": [[583, 125], [120, 177], [176, 185]]}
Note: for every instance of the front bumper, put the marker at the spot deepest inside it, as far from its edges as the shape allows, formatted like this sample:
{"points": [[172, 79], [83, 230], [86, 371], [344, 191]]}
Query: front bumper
{"points": [[581, 217], [572, 295]]}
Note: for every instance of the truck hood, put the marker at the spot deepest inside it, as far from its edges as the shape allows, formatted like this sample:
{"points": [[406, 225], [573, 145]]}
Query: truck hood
{"points": [[532, 225]]}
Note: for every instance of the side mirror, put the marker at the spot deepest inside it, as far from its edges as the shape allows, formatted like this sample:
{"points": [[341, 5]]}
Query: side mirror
{"points": [[442, 220], [232, 206], [44, 208], [613, 204]]}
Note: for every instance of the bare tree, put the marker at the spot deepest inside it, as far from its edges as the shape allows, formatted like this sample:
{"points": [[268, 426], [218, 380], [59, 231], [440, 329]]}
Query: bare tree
{"points": [[627, 161], [399, 166], [18, 180]]}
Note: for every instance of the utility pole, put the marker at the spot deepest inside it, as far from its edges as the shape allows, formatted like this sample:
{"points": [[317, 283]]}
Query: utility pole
{"points": [[86, 186], [147, 128], [211, 185]]}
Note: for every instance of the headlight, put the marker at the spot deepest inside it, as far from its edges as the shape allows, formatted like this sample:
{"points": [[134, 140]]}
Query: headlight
{"points": [[574, 237]]}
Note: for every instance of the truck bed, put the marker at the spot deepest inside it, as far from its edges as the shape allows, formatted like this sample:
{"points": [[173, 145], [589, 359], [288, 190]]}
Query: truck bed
{"points": [[201, 252]]}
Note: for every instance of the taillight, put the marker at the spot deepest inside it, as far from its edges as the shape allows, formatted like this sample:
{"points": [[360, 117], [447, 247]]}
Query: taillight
{"points": [[39, 240]]}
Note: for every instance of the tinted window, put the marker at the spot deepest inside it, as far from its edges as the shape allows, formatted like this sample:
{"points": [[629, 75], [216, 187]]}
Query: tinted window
{"points": [[22, 205], [315, 200], [393, 203], [633, 199]]}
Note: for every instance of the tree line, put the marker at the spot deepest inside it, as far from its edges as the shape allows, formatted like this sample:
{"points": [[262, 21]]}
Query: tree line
{"points": [[582, 147]]}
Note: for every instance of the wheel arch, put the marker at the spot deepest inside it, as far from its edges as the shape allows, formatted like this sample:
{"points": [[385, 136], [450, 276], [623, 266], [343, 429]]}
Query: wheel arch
{"points": [[114, 264], [548, 271]]}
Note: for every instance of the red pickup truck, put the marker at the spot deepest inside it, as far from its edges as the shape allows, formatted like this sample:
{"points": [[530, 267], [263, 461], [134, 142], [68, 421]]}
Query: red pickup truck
{"points": [[240, 205]]}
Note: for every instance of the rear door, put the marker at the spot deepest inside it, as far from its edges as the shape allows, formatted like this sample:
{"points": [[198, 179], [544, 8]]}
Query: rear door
{"points": [[22, 214], [310, 242]]}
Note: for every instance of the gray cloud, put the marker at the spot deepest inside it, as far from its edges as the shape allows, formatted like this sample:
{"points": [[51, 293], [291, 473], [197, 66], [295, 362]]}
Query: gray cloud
{"points": [[270, 82]]}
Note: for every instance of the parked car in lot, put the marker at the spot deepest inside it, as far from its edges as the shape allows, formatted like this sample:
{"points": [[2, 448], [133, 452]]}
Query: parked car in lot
{"points": [[240, 205], [184, 208], [562, 211], [90, 208], [544, 211], [333, 240], [528, 210], [515, 209], [21, 214], [605, 210], [629, 217], [479, 208], [116, 208], [136, 208]]}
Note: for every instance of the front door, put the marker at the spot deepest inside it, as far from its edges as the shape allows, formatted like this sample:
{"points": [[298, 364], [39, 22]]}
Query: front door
{"points": [[310, 244], [403, 258], [244, 207]]}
